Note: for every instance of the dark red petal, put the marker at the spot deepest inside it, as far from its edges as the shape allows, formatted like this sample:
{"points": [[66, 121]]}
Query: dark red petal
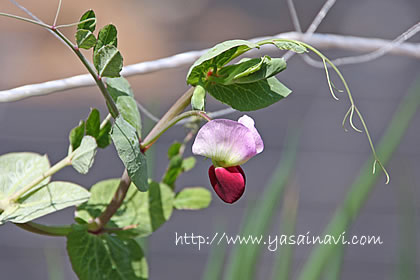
{"points": [[228, 182]]}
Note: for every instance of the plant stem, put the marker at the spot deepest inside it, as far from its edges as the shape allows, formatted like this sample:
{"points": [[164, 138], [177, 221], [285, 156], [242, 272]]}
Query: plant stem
{"points": [[176, 109], [100, 222], [112, 106], [75, 23], [145, 145], [105, 121], [45, 230], [27, 20], [171, 117], [57, 167]]}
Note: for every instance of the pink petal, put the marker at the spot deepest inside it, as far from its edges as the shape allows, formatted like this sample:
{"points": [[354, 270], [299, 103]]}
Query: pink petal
{"points": [[226, 142], [228, 183], [249, 123]]}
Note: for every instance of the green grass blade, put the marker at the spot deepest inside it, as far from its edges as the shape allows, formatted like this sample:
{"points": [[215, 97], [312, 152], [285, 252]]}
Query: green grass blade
{"points": [[407, 257], [215, 262], [333, 271], [283, 264]]}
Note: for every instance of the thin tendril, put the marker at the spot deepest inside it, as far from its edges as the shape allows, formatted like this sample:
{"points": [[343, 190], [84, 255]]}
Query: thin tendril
{"points": [[351, 119], [76, 23], [345, 118], [337, 89], [353, 107], [58, 12], [328, 79], [26, 19], [374, 167]]}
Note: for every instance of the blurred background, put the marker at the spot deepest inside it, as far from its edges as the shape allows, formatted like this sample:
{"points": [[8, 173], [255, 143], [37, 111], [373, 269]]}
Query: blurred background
{"points": [[328, 158]]}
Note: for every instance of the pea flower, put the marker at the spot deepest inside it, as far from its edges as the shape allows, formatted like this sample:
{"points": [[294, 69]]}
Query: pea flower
{"points": [[228, 144]]}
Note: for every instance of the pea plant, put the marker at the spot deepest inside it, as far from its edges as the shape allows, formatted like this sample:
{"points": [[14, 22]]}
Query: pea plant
{"points": [[100, 242]]}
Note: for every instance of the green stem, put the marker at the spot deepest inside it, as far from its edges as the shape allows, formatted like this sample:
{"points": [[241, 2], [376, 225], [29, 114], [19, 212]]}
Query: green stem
{"points": [[54, 169], [175, 110], [112, 106], [75, 23], [57, 12], [363, 185], [146, 144], [27, 20], [45, 230], [105, 121]]}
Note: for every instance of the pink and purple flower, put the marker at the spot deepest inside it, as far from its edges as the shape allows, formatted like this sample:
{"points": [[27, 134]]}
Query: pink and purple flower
{"points": [[228, 144]]}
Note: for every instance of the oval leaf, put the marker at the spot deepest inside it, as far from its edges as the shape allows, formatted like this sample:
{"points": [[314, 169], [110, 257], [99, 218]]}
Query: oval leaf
{"points": [[108, 61], [290, 46], [44, 200], [251, 96], [250, 70], [93, 123], [104, 139], [127, 106], [76, 136], [100, 257], [118, 87], [107, 36], [145, 211], [217, 56], [88, 25], [20, 169], [192, 198], [85, 39], [126, 141], [84, 156]]}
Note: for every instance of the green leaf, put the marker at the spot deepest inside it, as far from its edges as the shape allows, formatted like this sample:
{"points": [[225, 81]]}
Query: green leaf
{"points": [[84, 156], [118, 87], [76, 136], [290, 46], [174, 149], [188, 163], [217, 56], [173, 171], [192, 198], [121, 92], [85, 39], [20, 169], [107, 36], [102, 257], [104, 139], [93, 123], [198, 99], [44, 200], [145, 210], [250, 70], [88, 25], [127, 106], [249, 97], [108, 61], [126, 141]]}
